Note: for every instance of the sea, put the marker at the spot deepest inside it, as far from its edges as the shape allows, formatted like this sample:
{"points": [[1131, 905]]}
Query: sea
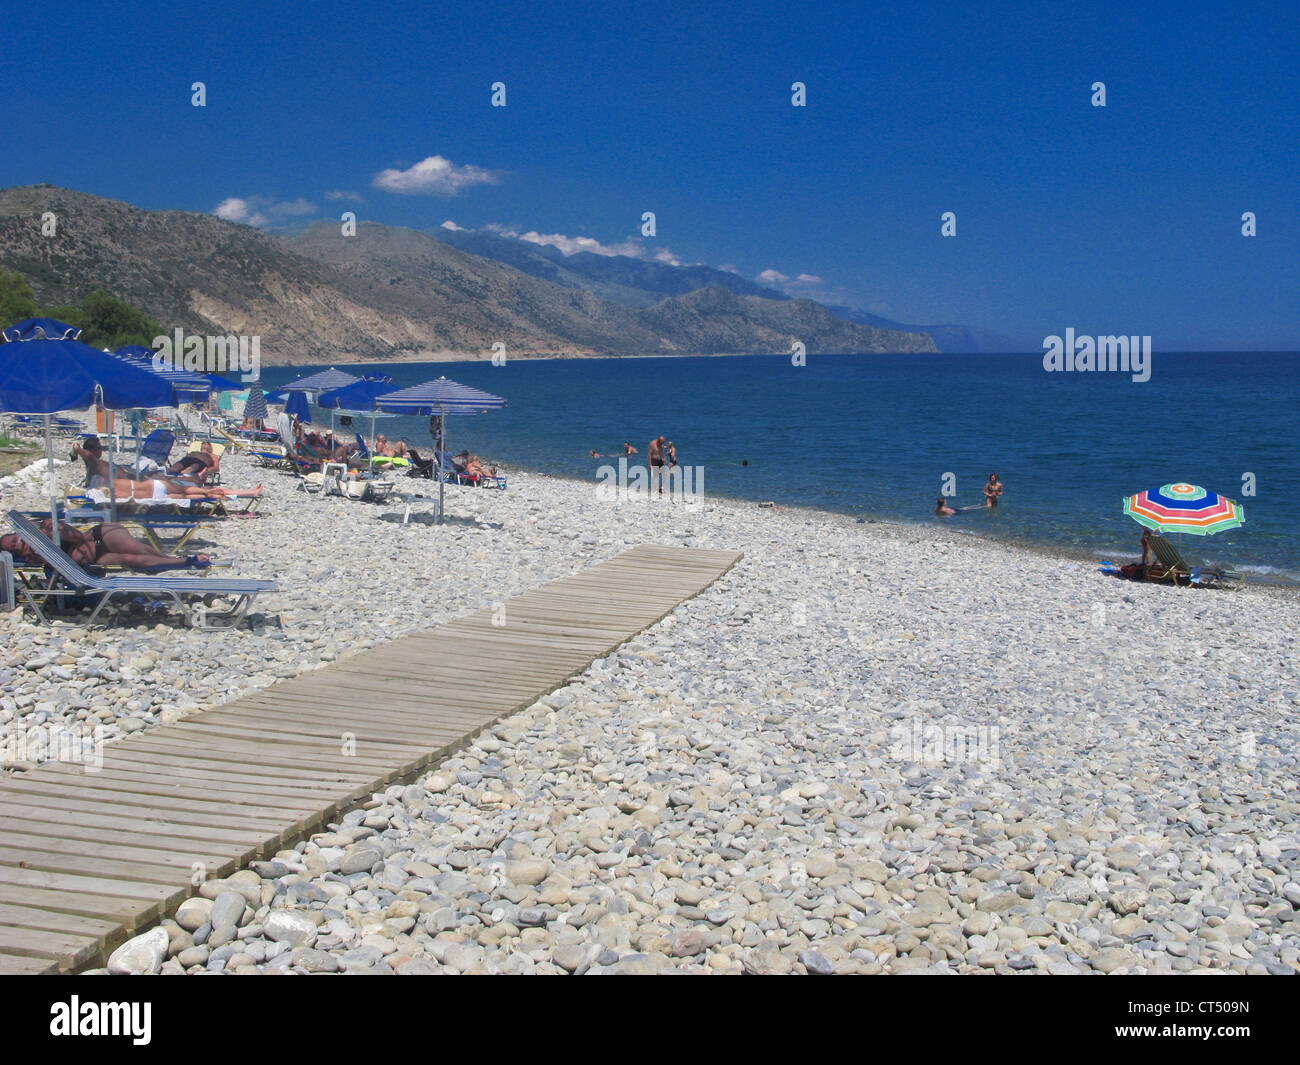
{"points": [[882, 436]]}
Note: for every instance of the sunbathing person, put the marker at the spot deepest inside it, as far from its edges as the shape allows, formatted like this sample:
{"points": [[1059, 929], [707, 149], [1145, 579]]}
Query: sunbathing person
{"points": [[163, 489], [195, 466], [329, 447], [470, 465], [92, 454], [102, 545], [396, 450]]}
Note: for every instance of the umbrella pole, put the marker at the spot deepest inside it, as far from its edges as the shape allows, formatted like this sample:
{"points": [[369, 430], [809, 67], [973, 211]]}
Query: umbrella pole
{"points": [[53, 483], [112, 468], [442, 481]]}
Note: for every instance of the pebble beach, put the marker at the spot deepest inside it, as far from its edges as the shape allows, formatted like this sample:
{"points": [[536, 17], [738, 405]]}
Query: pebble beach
{"points": [[867, 748]]}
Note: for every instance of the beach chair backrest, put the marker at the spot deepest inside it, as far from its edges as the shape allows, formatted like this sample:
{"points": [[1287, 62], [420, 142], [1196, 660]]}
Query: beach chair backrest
{"points": [[157, 446], [361, 446], [51, 555], [332, 477], [1167, 554]]}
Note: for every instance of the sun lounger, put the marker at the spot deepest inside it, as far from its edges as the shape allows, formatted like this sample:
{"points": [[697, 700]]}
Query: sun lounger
{"points": [[203, 506], [69, 583], [1171, 566], [7, 600]]}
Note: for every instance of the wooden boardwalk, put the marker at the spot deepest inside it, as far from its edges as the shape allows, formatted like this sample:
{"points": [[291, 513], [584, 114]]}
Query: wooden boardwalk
{"points": [[88, 859]]}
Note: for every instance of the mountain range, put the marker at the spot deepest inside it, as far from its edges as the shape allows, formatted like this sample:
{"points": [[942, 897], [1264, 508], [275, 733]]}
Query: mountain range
{"points": [[641, 282], [394, 293]]}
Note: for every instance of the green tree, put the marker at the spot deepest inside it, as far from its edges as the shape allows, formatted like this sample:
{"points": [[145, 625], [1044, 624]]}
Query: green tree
{"points": [[16, 302], [104, 320], [110, 323]]}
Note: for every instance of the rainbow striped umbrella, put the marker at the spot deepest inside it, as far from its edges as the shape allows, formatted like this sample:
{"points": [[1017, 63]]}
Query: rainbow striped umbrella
{"points": [[1184, 508]]}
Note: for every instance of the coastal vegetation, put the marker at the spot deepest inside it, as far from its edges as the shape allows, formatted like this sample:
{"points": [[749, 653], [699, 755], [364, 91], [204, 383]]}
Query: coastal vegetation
{"points": [[104, 320]]}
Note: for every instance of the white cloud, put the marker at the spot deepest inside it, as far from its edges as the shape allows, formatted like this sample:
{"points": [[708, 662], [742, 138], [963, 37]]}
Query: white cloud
{"points": [[261, 211], [449, 224], [341, 194], [799, 285], [631, 247], [434, 176]]}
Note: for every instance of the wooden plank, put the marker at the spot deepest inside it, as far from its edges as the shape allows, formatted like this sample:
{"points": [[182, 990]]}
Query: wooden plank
{"points": [[55, 861], [19, 965], [89, 858], [182, 858], [68, 949]]}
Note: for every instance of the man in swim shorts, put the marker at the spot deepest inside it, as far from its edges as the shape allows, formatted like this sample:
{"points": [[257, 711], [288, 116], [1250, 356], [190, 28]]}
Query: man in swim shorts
{"points": [[655, 455]]}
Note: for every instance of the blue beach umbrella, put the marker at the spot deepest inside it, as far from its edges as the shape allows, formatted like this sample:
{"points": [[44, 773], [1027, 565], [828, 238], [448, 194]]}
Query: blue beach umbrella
{"points": [[44, 369], [438, 399], [298, 406], [223, 384], [360, 397], [194, 387], [39, 375]]}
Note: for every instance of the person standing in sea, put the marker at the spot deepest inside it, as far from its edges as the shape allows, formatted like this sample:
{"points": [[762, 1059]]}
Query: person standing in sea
{"points": [[655, 456], [992, 491]]}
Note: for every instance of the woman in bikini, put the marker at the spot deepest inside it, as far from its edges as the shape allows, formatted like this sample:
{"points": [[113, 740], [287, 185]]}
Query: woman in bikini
{"points": [[195, 466], [159, 490], [102, 545]]}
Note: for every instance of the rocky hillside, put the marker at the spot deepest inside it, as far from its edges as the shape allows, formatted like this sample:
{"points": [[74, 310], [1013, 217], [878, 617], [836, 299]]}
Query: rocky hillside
{"points": [[385, 293]]}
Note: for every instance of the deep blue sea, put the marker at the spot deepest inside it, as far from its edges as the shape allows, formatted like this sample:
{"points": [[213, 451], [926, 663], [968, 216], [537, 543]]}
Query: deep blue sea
{"points": [[874, 436]]}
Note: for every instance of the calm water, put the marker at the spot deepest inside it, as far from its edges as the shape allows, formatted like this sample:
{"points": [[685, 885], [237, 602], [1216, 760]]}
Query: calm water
{"points": [[874, 435]]}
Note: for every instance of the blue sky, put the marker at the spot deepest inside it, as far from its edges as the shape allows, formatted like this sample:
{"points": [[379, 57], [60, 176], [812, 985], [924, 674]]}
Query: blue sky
{"points": [[1117, 220]]}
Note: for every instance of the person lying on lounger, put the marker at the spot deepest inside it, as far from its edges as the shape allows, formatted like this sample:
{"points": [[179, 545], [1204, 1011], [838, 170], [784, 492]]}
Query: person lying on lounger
{"points": [[102, 545], [470, 465], [163, 489], [92, 454], [195, 466]]}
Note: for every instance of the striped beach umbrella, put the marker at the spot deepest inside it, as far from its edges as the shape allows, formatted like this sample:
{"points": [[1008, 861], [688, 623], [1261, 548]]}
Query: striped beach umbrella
{"points": [[255, 406], [321, 382], [1184, 508], [438, 399], [192, 387]]}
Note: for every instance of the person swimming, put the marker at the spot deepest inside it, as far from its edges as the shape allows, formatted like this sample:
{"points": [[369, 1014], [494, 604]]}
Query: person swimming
{"points": [[941, 508]]}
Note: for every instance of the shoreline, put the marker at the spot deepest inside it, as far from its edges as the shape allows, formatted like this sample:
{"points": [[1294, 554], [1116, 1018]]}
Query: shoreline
{"points": [[1045, 549]]}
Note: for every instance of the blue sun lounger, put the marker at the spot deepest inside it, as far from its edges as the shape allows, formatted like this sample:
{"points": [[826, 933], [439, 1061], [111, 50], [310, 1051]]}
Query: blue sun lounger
{"points": [[67, 583]]}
